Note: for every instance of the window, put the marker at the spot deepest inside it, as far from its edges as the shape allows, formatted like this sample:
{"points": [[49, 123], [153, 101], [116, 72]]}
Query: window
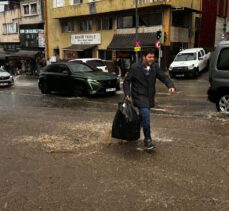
{"points": [[154, 19], [53, 68], [181, 19], [104, 24], [223, 61], [30, 9], [33, 8], [78, 67], [185, 57], [77, 1], [63, 69], [199, 55], [86, 25], [96, 63], [107, 55], [10, 28], [26, 9], [58, 3], [67, 27], [126, 22]]}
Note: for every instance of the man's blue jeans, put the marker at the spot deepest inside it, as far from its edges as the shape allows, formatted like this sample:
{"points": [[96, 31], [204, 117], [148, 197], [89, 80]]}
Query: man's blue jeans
{"points": [[144, 114]]}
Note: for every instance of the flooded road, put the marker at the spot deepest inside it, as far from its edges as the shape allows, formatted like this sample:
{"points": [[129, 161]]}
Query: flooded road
{"points": [[56, 152]]}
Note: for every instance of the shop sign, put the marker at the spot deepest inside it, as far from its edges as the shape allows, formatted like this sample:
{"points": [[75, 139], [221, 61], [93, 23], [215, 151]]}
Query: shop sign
{"points": [[86, 39], [41, 39], [137, 48], [29, 31]]}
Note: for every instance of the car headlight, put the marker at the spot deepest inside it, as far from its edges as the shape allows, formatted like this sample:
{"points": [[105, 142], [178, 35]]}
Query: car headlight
{"points": [[170, 68], [92, 81], [191, 67], [11, 77]]}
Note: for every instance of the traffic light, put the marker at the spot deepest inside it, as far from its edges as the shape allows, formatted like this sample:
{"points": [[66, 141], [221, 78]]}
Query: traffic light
{"points": [[158, 34]]}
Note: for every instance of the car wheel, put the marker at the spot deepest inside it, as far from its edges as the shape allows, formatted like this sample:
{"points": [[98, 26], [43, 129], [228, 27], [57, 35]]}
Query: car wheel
{"points": [[222, 104], [79, 90], [44, 87], [196, 73]]}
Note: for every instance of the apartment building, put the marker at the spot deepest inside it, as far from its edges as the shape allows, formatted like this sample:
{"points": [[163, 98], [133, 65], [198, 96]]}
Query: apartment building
{"points": [[107, 28]]}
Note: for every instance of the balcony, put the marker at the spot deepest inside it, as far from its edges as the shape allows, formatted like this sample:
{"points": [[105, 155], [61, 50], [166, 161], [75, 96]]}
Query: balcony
{"points": [[101, 6]]}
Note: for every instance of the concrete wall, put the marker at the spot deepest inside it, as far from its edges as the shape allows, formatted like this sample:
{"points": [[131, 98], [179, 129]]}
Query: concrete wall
{"points": [[8, 17]]}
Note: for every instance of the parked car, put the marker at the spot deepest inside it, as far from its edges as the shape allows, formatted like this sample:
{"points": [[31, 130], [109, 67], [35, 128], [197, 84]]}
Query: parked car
{"points": [[5, 78], [78, 78], [96, 63], [189, 62], [112, 66], [219, 77]]}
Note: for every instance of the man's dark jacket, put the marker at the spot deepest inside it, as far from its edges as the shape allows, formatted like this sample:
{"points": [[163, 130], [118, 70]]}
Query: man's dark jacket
{"points": [[140, 84]]}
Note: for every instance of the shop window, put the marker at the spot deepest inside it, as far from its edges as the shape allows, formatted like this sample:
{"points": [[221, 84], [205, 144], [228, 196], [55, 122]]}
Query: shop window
{"points": [[105, 55], [33, 8], [67, 27], [26, 9], [105, 24], [154, 19], [86, 25], [126, 22]]}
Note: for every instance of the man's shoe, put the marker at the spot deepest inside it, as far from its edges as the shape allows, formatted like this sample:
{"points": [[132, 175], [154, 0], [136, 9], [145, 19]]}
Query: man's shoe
{"points": [[149, 144]]}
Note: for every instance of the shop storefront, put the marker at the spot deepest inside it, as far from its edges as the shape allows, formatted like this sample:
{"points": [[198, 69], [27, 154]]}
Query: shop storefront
{"points": [[25, 62], [122, 46], [82, 46]]}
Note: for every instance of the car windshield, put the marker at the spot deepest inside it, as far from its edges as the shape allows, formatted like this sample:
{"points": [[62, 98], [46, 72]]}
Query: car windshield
{"points": [[185, 57], [79, 67], [96, 63], [1, 70]]}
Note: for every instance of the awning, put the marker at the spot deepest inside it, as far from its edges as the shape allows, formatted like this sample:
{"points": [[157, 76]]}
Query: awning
{"points": [[126, 42], [79, 47], [3, 55], [24, 54]]}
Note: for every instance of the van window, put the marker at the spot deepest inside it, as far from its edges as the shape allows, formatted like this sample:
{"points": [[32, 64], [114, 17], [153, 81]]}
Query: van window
{"points": [[223, 61]]}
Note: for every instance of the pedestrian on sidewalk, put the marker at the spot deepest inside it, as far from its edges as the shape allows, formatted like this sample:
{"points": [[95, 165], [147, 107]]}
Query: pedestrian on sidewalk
{"points": [[139, 87]]}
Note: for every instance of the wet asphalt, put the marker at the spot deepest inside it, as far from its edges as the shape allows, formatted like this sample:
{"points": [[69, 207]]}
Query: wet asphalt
{"points": [[56, 152]]}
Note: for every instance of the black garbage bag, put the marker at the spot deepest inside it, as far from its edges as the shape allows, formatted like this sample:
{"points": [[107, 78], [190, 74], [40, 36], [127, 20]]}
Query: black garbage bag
{"points": [[126, 124]]}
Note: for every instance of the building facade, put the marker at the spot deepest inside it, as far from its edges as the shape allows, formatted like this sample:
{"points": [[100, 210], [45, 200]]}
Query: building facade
{"points": [[107, 28], [32, 33], [9, 27], [214, 23], [22, 35]]}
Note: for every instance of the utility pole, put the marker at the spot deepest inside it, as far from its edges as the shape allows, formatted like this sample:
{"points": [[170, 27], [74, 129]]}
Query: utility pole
{"points": [[46, 30], [136, 27]]}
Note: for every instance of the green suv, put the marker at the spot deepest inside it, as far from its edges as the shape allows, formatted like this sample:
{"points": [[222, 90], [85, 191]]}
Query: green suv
{"points": [[219, 77], [77, 78]]}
